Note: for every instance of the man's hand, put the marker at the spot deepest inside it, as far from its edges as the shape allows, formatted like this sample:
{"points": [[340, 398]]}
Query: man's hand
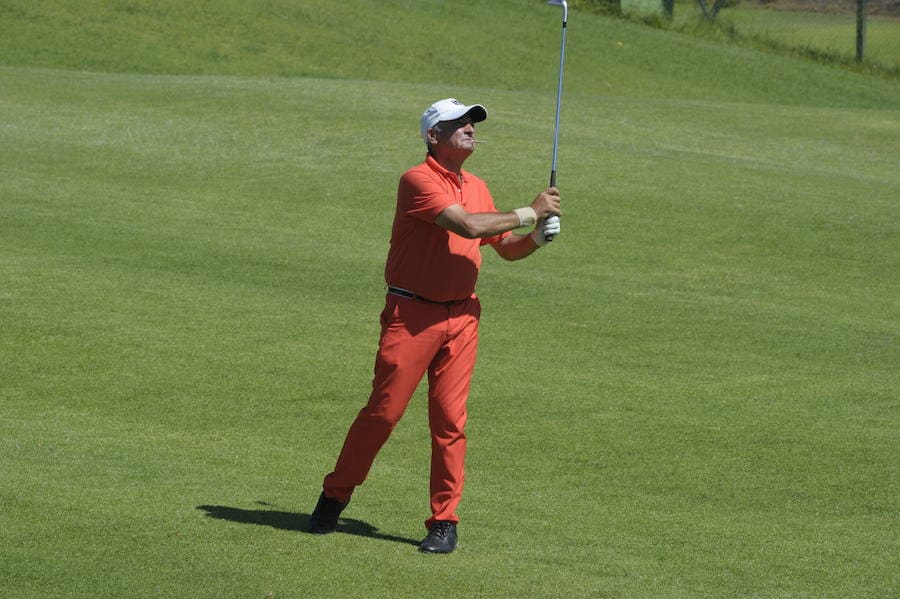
{"points": [[545, 230], [546, 204]]}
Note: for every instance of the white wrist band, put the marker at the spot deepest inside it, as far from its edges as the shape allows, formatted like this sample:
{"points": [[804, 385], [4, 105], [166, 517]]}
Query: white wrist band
{"points": [[527, 216]]}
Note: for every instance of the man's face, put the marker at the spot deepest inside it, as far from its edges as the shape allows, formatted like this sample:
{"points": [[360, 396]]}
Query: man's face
{"points": [[454, 136]]}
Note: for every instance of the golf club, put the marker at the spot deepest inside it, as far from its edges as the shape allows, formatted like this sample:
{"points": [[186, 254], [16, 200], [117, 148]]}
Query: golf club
{"points": [[562, 57]]}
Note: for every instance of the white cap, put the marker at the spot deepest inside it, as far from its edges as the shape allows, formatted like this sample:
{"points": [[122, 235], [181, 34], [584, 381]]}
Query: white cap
{"points": [[449, 110]]}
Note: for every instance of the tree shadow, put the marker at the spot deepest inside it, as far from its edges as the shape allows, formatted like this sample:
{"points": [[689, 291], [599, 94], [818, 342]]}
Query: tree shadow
{"points": [[296, 522]]}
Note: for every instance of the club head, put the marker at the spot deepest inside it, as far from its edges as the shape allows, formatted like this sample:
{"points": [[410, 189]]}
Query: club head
{"points": [[565, 7]]}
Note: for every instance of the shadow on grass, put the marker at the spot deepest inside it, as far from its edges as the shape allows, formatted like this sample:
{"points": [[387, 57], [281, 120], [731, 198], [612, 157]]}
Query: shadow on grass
{"points": [[294, 521]]}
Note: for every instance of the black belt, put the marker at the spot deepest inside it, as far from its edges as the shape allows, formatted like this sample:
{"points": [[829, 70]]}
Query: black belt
{"points": [[414, 296]]}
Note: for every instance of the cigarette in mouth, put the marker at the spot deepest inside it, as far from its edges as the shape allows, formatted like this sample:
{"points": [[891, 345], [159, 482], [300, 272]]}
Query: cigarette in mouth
{"points": [[479, 141]]}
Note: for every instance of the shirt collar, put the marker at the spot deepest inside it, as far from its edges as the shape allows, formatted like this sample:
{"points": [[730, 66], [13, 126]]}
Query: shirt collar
{"points": [[436, 166]]}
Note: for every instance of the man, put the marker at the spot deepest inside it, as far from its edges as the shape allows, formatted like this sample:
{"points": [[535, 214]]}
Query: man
{"points": [[430, 320]]}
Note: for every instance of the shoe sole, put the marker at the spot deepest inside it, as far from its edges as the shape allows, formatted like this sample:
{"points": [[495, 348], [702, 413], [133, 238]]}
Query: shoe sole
{"points": [[427, 552]]}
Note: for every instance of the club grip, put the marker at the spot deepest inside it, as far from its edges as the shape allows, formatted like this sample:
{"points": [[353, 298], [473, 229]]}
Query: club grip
{"points": [[552, 184]]}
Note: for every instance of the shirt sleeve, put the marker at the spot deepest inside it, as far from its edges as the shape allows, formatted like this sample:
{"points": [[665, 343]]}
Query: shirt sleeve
{"points": [[421, 197]]}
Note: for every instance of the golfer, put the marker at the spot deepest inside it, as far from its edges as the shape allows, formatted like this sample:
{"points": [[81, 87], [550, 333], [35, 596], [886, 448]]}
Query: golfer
{"points": [[430, 320]]}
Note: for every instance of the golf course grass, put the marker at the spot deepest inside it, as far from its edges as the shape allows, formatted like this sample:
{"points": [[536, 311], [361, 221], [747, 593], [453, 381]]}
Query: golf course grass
{"points": [[835, 33], [692, 392], [784, 27]]}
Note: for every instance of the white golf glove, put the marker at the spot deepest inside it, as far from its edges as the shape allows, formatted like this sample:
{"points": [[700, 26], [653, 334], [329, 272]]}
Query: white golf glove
{"points": [[546, 230]]}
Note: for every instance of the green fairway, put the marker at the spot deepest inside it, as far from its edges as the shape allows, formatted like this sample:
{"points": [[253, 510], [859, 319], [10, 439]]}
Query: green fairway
{"points": [[693, 392]]}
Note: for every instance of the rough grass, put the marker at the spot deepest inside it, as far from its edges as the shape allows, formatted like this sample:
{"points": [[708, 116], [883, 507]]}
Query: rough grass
{"points": [[827, 38]]}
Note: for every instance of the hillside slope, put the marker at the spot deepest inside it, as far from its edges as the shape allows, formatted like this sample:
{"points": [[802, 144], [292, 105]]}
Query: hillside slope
{"points": [[510, 44]]}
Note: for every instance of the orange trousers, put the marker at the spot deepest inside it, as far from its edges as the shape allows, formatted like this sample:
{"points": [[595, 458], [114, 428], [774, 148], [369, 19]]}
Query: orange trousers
{"points": [[417, 337]]}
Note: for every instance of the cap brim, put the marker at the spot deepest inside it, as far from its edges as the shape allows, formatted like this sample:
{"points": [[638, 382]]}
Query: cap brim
{"points": [[476, 111]]}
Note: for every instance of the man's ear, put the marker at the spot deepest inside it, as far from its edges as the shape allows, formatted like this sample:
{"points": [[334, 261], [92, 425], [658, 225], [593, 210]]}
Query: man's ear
{"points": [[432, 135]]}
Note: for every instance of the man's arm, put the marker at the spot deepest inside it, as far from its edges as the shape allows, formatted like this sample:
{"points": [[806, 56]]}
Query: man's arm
{"points": [[476, 225], [516, 247], [487, 224]]}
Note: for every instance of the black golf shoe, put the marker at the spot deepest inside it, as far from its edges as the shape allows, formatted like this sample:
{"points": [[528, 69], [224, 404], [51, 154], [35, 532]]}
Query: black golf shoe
{"points": [[324, 518], [441, 538]]}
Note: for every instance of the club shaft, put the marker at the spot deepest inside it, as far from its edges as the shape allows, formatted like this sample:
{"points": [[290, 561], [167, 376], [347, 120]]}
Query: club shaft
{"points": [[559, 88]]}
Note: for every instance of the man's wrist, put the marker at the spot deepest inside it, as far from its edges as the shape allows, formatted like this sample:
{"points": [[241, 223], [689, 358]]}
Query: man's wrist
{"points": [[527, 216]]}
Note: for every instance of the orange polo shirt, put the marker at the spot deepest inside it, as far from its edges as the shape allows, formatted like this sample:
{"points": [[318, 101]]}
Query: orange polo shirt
{"points": [[424, 257]]}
